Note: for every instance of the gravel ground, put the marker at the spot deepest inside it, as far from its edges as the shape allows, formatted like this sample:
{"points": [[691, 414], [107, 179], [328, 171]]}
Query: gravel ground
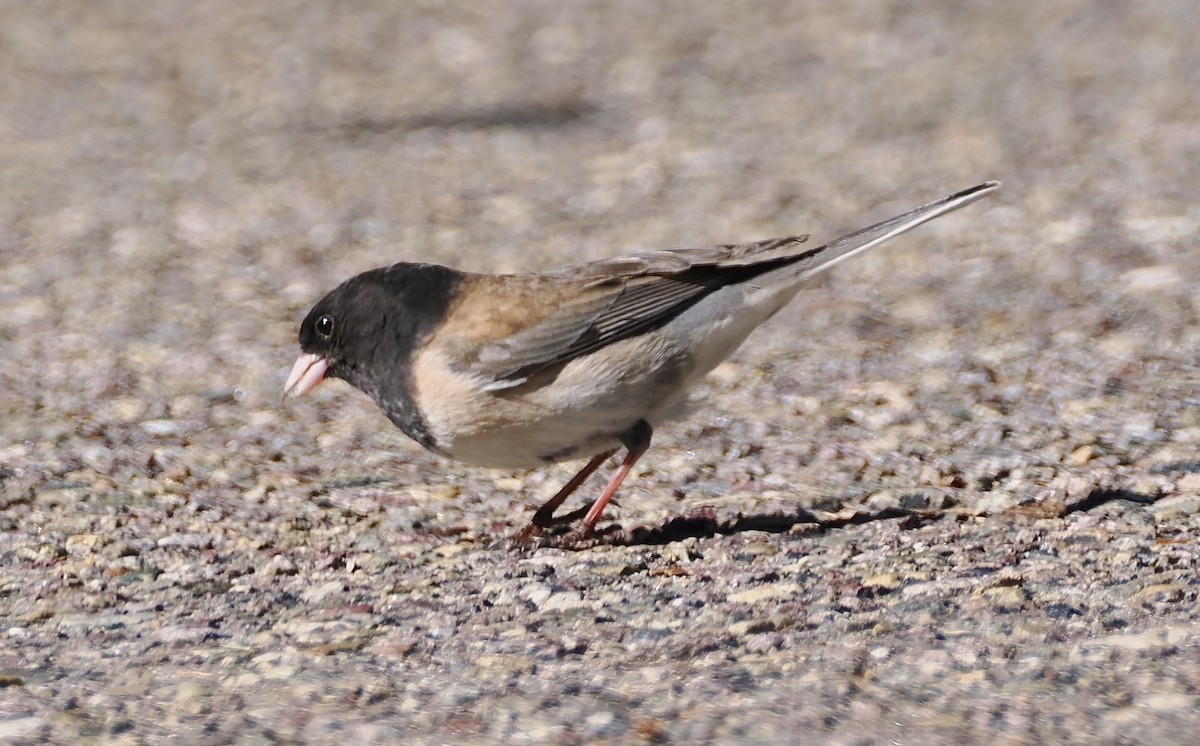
{"points": [[951, 494]]}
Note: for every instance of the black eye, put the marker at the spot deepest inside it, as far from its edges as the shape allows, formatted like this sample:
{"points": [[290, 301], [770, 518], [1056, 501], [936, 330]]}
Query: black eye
{"points": [[325, 326]]}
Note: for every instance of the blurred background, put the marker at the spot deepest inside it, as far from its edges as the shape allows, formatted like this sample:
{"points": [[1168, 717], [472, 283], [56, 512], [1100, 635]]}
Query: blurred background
{"points": [[202, 173], [180, 181]]}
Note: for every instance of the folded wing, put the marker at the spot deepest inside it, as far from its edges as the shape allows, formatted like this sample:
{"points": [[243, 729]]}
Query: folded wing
{"points": [[596, 304]]}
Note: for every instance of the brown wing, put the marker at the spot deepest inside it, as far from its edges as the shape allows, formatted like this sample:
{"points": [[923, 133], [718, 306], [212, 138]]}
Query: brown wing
{"points": [[513, 326]]}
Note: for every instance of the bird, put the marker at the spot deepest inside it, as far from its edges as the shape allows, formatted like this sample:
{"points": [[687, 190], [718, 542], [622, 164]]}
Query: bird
{"points": [[525, 370]]}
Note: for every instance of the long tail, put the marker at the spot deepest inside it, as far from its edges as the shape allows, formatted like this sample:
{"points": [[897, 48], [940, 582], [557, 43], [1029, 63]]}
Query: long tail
{"points": [[845, 247]]}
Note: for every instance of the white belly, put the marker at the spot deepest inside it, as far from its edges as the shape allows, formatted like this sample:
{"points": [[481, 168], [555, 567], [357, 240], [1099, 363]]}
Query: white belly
{"points": [[578, 413]]}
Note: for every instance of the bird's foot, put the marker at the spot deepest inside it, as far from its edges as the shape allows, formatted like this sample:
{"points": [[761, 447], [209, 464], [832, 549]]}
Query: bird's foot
{"points": [[585, 537], [525, 538]]}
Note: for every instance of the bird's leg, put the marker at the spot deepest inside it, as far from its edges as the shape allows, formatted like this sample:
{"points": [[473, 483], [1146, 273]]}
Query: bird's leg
{"points": [[636, 442], [544, 517]]}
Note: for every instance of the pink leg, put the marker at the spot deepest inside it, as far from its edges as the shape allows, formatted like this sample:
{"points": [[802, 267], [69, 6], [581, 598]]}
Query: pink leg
{"points": [[544, 517], [637, 441]]}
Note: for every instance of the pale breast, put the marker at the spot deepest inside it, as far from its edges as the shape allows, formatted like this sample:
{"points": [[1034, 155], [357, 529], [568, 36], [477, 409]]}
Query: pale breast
{"points": [[575, 411]]}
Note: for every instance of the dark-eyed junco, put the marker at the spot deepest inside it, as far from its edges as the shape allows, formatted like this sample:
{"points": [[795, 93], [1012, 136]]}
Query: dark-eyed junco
{"points": [[530, 369]]}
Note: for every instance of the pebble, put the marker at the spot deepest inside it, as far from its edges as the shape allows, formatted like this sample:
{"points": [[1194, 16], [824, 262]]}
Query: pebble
{"points": [[82, 543], [318, 594], [182, 633], [1006, 596], [751, 627], [1082, 455], [1150, 639], [535, 593], [162, 428], [567, 601], [194, 541], [1178, 506], [278, 565], [1160, 592], [1152, 279], [768, 592], [887, 581], [1169, 702], [31, 729]]}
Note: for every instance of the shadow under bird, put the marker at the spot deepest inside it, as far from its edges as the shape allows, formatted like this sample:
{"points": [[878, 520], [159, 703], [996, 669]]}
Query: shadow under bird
{"points": [[524, 370]]}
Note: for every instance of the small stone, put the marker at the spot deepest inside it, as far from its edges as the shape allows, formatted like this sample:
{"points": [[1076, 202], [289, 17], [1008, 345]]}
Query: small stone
{"points": [[535, 593], [39, 614], [505, 663], [751, 627], [98, 457], [179, 633], [451, 550], [187, 541], [1006, 596], [764, 642], [1082, 455], [1061, 611], [318, 594], [125, 408], [888, 581], [82, 543], [1179, 506], [885, 500], [1169, 702], [767, 592], [28, 728], [1160, 592], [1148, 485], [279, 565], [929, 499], [620, 569], [566, 601], [759, 548], [1153, 279], [599, 723], [190, 697], [162, 428], [187, 404]]}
